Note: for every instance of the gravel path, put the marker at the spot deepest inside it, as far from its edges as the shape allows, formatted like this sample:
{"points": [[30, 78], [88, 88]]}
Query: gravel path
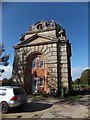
{"points": [[77, 109], [52, 108]]}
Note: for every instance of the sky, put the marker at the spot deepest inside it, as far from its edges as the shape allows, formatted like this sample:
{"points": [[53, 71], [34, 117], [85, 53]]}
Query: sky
{"points": [[17, 17]]}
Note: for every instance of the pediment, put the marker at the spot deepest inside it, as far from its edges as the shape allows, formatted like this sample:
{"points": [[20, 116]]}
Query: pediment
{"points": [[36, 40], [39, 40]]}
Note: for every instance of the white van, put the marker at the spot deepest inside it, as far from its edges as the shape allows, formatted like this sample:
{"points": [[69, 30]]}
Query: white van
{"points": [[11, 96]]}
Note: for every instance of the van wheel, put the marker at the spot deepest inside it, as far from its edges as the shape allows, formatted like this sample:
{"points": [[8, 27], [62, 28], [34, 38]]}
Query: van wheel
{"points": [[5, 107]]}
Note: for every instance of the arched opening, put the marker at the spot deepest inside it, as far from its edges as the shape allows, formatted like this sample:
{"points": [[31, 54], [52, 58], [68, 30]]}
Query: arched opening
{"points": [[35, 73]]}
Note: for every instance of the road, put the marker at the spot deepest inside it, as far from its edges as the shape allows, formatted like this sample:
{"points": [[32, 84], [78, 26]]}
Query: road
{"points": [[52, 108]]}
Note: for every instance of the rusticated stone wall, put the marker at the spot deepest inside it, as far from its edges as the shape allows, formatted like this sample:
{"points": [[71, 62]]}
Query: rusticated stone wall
{"points": [[48, 39]]}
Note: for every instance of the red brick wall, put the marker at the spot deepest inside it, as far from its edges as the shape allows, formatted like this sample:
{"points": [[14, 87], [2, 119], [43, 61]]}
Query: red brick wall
{"points": [[41, 72]]}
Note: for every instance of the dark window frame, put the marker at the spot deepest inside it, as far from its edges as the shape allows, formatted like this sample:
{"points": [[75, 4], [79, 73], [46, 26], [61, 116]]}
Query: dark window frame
{"points": [[42, 66]]}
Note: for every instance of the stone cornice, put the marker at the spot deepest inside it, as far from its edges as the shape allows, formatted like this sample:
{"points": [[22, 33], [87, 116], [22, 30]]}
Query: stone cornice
{"points": [[20, 46]]}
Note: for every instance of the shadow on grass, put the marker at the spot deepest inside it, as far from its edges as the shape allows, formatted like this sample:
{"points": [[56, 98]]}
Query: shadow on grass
{"points": [[31, 107]]}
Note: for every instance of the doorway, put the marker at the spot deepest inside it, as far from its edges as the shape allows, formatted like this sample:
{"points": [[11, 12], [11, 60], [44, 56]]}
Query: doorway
{"points": [[35, 72]]}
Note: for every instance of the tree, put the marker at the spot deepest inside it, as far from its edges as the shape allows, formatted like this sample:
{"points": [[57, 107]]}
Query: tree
{"points": [[8, 82], [77, 81], [85, 76], [3, 58]]}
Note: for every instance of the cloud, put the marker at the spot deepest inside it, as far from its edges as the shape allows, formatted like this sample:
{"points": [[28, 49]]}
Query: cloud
{"points": [[7, 73], [76, 72]]}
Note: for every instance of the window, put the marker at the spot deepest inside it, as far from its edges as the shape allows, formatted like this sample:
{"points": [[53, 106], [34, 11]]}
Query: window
{"points": [[34, 64], [18, 91], [41, 63]]}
